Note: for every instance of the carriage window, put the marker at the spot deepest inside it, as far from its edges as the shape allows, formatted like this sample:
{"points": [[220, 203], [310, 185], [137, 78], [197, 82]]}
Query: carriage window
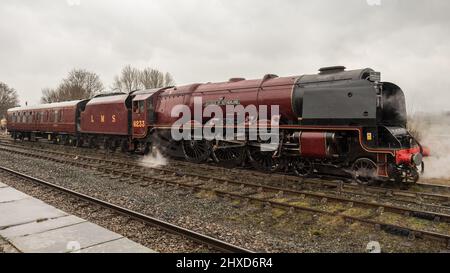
{"points": [[60, 115], [56, 116]]}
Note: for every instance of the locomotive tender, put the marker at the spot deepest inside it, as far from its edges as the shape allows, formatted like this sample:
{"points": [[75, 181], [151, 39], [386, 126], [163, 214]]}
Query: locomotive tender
{"points": [[335, 122]]}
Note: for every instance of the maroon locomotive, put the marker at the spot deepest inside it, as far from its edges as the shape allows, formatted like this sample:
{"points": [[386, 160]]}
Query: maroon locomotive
{"points": [[336, 122]]}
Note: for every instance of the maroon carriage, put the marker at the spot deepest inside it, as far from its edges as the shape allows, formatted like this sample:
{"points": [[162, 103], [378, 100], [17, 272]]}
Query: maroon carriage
{"points": [[54, 121]]}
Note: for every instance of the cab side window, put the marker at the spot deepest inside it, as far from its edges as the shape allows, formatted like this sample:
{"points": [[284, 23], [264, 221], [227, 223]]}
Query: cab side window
{"points": [[141, 106], [135, 107]]}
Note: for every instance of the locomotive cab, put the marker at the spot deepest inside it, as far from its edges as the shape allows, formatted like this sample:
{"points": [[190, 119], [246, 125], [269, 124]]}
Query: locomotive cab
{"points": [[143, 114]]}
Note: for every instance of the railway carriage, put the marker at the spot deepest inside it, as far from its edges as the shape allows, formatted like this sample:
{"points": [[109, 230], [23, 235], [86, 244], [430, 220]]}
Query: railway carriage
{"points": [[54, 121], [339, 122]]}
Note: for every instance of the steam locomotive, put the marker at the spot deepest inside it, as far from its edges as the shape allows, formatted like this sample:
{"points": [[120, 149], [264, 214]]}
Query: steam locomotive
{"points": [[339, 122]]}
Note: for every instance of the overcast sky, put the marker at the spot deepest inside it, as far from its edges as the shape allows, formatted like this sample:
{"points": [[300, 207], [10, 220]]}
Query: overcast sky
{"points": [[212, 40]]}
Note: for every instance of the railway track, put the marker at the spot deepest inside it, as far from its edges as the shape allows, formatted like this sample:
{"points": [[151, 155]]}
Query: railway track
{"points": [[306, 186], [214, 243], [420, 190], [273, 197]]}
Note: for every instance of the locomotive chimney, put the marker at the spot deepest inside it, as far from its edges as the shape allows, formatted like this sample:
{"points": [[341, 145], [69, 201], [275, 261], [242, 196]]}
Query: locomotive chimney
{"points": [[236, 79], [331, 69]]}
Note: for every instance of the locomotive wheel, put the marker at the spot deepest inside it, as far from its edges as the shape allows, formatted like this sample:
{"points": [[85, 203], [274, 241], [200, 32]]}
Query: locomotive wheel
{"points": [[408, 177], [412, 176], [196, 150], [113, 146], [106, 144], [364, 171], [66, 141], [147, 148], [302, 167], [93, 143], [263, 161], [74, 142], [79, 142], [124, 146], [228, 155], [58, 140]]}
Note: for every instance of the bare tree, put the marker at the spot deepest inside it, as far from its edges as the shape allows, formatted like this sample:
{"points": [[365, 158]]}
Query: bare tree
{"points": [[132, 79], [8, 99], [153, 78], [168, 80], [128, 80], [79, 84], [49, 95]]}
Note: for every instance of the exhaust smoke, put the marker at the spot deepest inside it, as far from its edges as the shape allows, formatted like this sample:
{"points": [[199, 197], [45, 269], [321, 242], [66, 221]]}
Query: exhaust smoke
{"points": [[433, 131]]}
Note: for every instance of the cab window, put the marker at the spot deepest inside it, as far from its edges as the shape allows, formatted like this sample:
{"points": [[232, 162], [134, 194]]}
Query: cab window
{"points": [[135, 107], [141, 106]]}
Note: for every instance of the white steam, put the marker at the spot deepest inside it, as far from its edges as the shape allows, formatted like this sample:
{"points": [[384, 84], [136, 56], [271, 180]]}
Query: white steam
{"points": [[434, 130], [154, 159]]}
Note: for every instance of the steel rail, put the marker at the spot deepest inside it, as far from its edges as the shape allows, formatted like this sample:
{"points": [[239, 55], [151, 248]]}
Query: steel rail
{"points": [[171, 228], [342, 186], [391, 228], [427, 215]]}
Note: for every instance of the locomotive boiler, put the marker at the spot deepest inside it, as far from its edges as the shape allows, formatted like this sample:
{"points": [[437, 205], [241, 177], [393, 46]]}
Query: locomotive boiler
{"points": [[339, 122]]}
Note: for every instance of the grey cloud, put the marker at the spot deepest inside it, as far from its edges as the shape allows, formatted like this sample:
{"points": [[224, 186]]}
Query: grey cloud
{"points": [[212, 40]]}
